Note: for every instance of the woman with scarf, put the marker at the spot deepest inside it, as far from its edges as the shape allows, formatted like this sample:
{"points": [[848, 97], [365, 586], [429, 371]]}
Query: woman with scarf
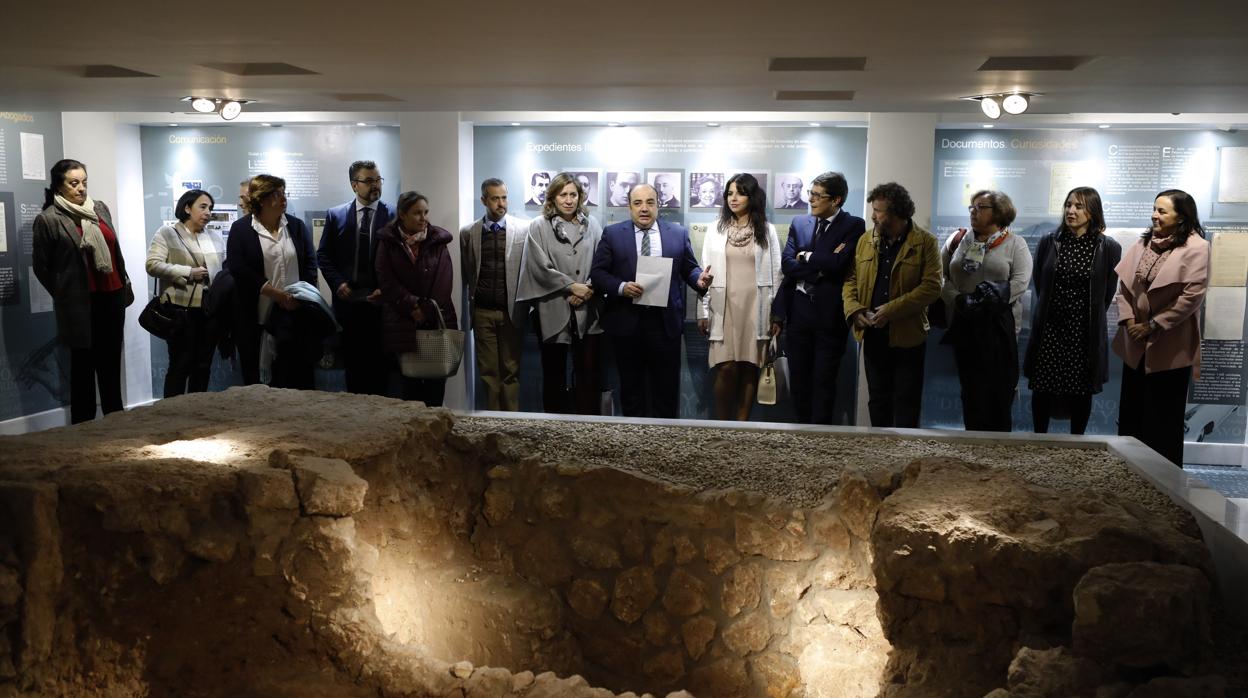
{"points": [[184, 257], [1067, 359], [986, 273], [77, 259], [415, 275], [554, 278], [1161, 285]]}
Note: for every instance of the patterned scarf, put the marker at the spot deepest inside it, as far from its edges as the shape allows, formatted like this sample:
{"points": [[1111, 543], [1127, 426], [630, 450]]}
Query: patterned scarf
{"points": [[976, 251]]}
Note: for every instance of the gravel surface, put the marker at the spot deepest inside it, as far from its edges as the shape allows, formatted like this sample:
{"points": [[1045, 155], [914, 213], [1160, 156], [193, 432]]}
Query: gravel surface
{"points": [[803, 468]]}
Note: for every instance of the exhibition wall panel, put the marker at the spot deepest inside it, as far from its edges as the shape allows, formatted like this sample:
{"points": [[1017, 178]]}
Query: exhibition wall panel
{"points": [[688, 165], [34, 369], [1128, 167], [313, 159]]}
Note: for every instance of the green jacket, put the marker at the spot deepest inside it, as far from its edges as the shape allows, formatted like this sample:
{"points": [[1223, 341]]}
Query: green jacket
{"points": [[914, 285]]}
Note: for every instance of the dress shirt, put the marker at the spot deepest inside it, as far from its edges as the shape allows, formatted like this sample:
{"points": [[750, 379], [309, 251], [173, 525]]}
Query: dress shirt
{"points": [[656, 244], [803, 286], [281, 262]]}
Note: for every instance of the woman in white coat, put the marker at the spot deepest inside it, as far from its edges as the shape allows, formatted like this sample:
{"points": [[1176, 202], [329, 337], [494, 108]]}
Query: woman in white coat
{"points": [[736, 314], [184, 258]]}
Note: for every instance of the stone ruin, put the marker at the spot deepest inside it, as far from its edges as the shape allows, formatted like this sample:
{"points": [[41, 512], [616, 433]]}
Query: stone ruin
{"points": [[282, 543]]}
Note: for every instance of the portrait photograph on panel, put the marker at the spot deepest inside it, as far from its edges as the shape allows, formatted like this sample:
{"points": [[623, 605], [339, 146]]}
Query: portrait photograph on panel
{"points": [[589, 182], [667, 184], [706, 189], [538, 181], [618, 184], [790, 193]]}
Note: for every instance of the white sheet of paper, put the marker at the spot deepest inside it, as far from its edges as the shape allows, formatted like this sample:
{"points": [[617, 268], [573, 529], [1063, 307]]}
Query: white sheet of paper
{"points": [[1224, 313], [1230, 260], [1233, 175], [40, 299], [655, 276], [4, 232], [32, 156]]}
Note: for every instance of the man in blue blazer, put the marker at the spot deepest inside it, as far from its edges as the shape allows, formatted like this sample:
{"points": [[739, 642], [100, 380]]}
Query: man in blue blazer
{"points": [[646, 339], [819, 252], [346, 254]]}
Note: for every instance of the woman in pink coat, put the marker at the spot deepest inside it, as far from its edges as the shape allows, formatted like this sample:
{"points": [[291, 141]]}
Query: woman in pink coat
{"points": [[1161, 285]]}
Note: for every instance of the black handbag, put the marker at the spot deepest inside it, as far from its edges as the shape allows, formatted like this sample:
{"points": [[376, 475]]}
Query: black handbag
{"points": [[164, 318]]}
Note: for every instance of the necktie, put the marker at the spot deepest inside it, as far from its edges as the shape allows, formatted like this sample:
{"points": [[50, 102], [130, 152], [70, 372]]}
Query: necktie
{"points": [[820, 228], [363, 241], [494, 227], [645, 243]]}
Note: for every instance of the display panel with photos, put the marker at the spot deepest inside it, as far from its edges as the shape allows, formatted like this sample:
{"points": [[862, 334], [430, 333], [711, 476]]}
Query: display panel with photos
{"points": [[792, 192], [618, 184], [706, 190], [538, 182], [667, 184], [588, 180]]}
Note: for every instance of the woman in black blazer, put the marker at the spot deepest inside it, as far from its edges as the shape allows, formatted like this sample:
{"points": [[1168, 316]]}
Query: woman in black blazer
{"points": [[266, 252], [77, 259]]}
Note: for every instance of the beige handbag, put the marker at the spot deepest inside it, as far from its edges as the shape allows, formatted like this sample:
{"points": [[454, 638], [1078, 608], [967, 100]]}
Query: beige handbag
{"points": [[768, 376], [438, 352]]}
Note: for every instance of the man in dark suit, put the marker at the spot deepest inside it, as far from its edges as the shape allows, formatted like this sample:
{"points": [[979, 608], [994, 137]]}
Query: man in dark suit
{"points": [[346, 254], [819, 252], [646, 338]]}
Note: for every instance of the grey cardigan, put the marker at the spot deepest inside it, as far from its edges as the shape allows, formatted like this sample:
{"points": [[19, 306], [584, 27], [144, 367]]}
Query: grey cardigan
{"points": [[1011, 260], [550, 267], [172, 255], [59, 266]]}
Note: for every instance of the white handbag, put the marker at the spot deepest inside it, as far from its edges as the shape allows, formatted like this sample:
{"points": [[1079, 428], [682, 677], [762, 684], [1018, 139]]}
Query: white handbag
{"points": [[770, 375], [438, 352]]}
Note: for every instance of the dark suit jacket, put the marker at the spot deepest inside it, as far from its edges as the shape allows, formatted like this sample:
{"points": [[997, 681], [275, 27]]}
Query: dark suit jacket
{"points": [[246, 263], [336, 253], [830, 259], [615, 262], [60, 267]]}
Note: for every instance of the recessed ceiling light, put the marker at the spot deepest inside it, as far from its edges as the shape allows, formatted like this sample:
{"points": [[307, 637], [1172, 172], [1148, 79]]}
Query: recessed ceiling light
{"points": [[360, 123], [990, 107], [230, 110], [816, 124], [515, 123], [614, 123], [990, 125], [1103, 126], [712, 123], [266, 124], [1015, 103], [203, 105], [173, 124]]}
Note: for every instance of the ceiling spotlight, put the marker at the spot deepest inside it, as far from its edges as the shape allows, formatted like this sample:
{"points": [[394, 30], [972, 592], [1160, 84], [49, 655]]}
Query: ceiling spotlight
{"points": [[515, 123], [174, 125], [614, 124], [1015, 103], [360, 123], [816, 124], [989, 125], [990, 107], [1103, 126], [203, 105], [712, 124], [266, 124], [230, 110]]}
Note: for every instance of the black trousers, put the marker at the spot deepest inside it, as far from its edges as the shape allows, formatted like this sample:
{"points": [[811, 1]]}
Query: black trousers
{"points": [[99, 364], [586, 391], [1152, 406], [1042, 406], [649, 366], [364, 362], [430, 391], [988, 376], [292, 366], [814, 362], [894, 380], [190, 356]]}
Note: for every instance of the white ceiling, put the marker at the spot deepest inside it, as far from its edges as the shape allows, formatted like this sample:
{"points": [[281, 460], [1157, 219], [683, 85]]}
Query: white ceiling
{"points": [[495, 55]]}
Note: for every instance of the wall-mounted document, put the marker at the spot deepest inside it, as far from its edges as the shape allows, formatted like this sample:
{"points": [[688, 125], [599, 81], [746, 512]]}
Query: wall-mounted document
{"points": [[33, 164], [1233, 175], [1228, 265]]}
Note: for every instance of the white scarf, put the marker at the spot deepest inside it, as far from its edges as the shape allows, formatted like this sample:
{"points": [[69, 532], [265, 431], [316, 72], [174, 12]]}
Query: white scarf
{"points": [[92, 239]]}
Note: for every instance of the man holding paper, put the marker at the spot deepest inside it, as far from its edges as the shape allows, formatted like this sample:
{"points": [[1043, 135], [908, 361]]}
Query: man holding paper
{"points": [[639, 267]]}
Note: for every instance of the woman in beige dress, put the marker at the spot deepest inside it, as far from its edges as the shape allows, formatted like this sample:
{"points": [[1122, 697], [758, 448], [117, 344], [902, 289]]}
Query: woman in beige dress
{"points": [[736, 314]]}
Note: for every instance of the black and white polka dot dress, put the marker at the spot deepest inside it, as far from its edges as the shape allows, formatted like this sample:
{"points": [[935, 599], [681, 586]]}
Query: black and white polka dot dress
{"points": [[1062, 362]]}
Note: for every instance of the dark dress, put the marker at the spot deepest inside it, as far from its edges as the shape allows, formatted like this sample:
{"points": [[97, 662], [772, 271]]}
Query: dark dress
{"points": [[1061, 362]]}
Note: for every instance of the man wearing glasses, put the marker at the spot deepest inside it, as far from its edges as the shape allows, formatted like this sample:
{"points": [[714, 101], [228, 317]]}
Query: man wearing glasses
{"points": [[346, 254], [816, 258]]}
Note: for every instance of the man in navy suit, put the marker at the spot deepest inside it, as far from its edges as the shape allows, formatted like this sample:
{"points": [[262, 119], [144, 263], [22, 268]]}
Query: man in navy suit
{"points": [[646, 339], [346, 254], [819, 252]]}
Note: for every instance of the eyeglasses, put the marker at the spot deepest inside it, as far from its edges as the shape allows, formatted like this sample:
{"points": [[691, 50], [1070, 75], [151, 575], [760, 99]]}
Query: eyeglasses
{"points": [[816, 197], [981, 207], [370, 181]]}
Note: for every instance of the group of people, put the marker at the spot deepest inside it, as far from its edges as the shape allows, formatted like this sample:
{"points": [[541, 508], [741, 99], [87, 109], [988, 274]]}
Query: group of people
{"points": [[390, 274]]}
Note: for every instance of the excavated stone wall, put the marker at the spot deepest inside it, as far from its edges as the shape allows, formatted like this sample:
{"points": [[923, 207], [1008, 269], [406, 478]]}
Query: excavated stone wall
{"points": [[281, 543]]}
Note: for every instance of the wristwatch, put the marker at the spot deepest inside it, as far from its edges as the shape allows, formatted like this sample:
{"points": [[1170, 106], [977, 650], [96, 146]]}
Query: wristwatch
{"points": [[1152, 325]]}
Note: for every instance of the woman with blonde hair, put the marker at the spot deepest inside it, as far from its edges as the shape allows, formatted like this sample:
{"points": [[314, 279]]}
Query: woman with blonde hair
{"points": [[735, 314], [554, 279]]}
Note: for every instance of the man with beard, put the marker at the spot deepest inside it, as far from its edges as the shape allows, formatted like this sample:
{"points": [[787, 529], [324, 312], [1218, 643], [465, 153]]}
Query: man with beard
{"points": [[346, 255]]}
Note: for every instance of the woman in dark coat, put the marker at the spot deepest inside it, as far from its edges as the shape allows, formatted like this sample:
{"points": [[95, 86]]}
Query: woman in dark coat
{"points": [[414, 272], [1067, 357], [266, 252], [77, 259]]}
